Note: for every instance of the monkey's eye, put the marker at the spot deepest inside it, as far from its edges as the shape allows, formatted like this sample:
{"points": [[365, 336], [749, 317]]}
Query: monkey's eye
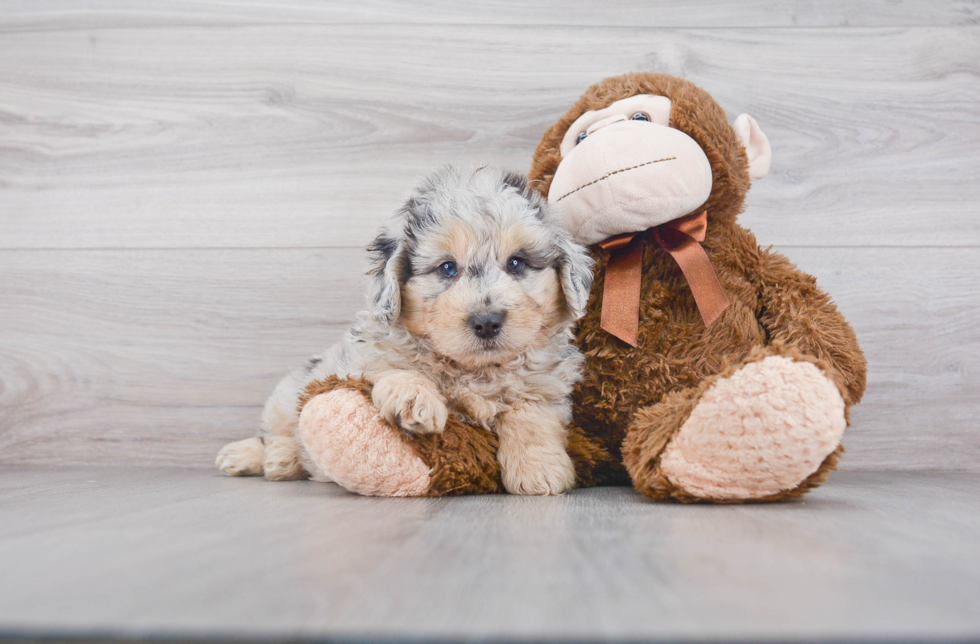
{"points": [[515, 265], [640, 116], [581, 137], [447, 269]]}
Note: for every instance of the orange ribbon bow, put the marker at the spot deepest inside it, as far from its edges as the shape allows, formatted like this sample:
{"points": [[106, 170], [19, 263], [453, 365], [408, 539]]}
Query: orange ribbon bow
{"points": [[681, 238]]}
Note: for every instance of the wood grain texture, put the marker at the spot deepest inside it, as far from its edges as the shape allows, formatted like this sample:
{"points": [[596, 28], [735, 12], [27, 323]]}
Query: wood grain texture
{"points": [[188, 554], [138, 356], [18, 15], [159, 357], [309, 136], [185, 188]]}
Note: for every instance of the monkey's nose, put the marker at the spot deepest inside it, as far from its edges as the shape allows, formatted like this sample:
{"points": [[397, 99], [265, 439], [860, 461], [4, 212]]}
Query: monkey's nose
{"points": [[487, 326]]}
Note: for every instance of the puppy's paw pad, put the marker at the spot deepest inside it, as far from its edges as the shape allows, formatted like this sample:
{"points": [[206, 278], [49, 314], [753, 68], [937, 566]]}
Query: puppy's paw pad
{"points": [[242, 458], [539, 475], [427, 414], [411, 405]]}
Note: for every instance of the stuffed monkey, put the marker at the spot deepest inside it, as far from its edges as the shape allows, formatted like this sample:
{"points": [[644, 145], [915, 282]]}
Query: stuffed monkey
{"points": [[715, 370]]}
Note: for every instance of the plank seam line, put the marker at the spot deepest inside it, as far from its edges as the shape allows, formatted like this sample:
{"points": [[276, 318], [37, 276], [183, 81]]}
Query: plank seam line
{"points": [[456, 25], [116, 249]]}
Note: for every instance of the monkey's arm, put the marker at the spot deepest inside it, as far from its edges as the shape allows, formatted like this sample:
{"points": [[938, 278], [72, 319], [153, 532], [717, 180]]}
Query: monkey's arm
{"points": [[794, 311]]}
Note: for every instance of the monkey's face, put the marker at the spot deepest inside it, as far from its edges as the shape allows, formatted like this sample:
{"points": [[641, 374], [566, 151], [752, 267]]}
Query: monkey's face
{"points": [[624, 169]]}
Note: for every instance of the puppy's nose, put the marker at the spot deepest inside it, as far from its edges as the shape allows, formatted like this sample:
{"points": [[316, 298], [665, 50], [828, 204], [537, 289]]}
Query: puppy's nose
{"points": [[487, 326]]}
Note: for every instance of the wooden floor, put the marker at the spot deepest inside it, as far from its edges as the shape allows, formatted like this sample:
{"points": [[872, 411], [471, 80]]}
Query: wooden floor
{"points": [[186, 188], [188, 553]]}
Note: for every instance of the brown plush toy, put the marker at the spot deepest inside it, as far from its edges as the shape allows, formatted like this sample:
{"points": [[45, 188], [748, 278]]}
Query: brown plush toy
{"points": [[715, 370]]}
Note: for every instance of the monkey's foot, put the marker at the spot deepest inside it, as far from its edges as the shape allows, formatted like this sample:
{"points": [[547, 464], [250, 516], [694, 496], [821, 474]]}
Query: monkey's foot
{"points": [[758, 432], [768, 430]]}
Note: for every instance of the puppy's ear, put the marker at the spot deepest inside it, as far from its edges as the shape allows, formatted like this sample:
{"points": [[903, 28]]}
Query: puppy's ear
{"points": [[574, 263], [384, 291], [516, 180], [575, 271]]}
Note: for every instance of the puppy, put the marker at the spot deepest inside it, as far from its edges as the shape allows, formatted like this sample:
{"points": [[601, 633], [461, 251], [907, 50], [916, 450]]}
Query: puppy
{"points": [[474, 291]]}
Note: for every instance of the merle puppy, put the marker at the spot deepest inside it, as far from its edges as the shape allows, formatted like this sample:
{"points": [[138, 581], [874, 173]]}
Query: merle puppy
{"points": [[474, 291]]}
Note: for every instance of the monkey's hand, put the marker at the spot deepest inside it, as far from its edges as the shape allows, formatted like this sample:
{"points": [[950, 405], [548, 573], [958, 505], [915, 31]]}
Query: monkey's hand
{"points": [[409, 400]]}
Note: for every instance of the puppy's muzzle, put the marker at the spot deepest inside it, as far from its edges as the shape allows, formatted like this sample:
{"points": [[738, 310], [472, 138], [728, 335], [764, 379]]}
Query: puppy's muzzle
{"points": [[487, 326]]}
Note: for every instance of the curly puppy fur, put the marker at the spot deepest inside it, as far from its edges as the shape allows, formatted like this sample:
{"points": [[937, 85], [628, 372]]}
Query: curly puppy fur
{"points": [[649, 390], [473, 296]]}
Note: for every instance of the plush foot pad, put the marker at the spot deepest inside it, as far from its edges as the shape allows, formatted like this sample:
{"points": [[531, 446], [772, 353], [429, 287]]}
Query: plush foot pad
{"points": [[347, 438], [758, 432]]}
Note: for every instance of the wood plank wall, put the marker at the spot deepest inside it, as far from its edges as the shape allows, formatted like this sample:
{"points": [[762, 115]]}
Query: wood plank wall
{"points": [[186, 187]]}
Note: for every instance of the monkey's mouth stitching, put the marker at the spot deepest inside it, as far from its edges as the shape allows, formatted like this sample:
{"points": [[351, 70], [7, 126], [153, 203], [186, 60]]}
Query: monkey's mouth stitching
{"points": [[609, 174]]}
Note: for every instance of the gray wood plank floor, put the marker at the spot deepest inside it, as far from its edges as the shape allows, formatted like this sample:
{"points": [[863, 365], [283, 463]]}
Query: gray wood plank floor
{"points": [[170, 553], [185, 187]]}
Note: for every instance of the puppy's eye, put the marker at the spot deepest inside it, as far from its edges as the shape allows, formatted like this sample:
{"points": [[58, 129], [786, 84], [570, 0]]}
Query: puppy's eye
{"points": [[640, 116], [447, 269], [581, 137], [515, 265]]}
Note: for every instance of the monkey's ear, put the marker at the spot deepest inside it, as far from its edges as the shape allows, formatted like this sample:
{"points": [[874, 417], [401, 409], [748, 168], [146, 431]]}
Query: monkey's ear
{"points": [[384, 291], [756, 145]]}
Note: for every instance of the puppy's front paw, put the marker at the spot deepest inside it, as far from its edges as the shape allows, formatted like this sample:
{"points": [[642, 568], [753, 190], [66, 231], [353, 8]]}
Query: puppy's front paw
{"points": [[539, 471], [411, 402]]}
